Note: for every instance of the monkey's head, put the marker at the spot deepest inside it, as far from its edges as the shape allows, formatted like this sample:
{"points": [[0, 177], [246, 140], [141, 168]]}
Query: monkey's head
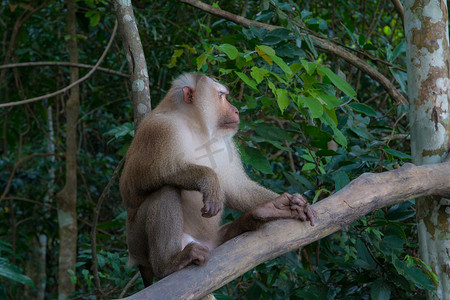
{"points": [[207, 98]]}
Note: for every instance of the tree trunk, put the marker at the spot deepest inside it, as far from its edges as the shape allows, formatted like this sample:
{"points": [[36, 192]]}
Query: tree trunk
{"points": [[67, 197], [427, 50], [134, 53]]}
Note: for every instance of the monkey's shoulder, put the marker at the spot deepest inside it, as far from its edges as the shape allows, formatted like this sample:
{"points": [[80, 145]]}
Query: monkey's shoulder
{"points": [[158, 127]]}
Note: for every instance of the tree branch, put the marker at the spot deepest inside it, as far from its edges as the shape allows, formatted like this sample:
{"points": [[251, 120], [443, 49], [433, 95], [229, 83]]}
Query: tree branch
{"points": [[399, 8], [361, 196], [62, 64], [324, 44], [61, 91]]}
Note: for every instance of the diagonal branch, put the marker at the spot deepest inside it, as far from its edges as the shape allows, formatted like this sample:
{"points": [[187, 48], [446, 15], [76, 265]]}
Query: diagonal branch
{"points": [[322, 43], [365, 194], [61, 91]]}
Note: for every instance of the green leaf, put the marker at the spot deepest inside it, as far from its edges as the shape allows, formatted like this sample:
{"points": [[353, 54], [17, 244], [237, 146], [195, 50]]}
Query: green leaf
{"points": [[339, 137], [308, 166], [340, 179], [330, 100], [201, 60], [399, 49], [265, 52], [380, 290], [254, 157], [258, 74], [400, 212], [397, 153], [295, 67], [229, 50], [361, 40], [414, 274], [310, 43], [302, 294], [401, 77], [12, 272], [173, 60], [362, 132], [272, 133], [282, 99], [363, 108], [280, 62], [349, 33], [303, 180], [339, 82], [251, 83], [94, 20], [310, 67], [121, 130], [251, 101], [314, 105]]}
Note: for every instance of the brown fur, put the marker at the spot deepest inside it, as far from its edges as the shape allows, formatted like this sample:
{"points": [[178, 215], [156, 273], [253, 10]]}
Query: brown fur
{"points": [[181, 168]]}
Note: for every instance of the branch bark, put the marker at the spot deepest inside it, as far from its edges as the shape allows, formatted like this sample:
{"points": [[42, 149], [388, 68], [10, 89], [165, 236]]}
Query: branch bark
{"points": [[322, 43], [363, 195]]}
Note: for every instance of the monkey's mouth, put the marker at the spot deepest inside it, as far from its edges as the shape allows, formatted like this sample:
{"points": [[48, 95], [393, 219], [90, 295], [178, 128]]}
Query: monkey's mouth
{"points": [[231, 125]]}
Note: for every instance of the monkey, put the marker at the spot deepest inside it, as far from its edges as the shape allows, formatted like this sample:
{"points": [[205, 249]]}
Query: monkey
{"points": [[181, 168]]}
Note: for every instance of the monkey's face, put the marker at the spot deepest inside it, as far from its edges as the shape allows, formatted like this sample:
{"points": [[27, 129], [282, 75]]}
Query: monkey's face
{"points": [[215, 106]]}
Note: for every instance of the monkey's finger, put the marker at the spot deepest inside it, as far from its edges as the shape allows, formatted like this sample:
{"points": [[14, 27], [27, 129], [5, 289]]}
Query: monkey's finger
{"points": [[302, 216], [209, 210], [295, 210], [299, 200], [287, 195], [311, 213]]}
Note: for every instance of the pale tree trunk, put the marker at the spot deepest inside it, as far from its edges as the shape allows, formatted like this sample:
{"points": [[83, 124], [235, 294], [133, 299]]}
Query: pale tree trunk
{"points": [[134, 53], [427, 48], [36, 265], [67, 197]]}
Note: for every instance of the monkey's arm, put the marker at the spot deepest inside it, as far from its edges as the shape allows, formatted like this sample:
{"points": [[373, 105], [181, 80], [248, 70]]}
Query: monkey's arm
{"points": [[156, 159], [285, 206], [247, 194]]}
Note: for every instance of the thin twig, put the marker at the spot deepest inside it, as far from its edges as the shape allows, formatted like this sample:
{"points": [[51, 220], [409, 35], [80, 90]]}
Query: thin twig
{"points": [[103, 196], [62, 64], [16, 166], [71, 85], [125, 289]]}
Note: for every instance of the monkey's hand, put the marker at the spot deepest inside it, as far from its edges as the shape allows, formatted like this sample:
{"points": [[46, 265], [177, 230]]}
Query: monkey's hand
{"points": [[286, 206], [301, 209], [213, 203]]}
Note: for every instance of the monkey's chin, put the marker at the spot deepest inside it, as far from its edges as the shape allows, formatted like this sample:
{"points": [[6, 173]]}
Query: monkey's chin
{"points": [[229, 128]]}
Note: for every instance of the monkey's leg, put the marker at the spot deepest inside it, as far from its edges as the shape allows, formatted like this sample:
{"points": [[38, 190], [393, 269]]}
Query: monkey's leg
{"points": [[285, 206], [146, 274], [164, 228]]}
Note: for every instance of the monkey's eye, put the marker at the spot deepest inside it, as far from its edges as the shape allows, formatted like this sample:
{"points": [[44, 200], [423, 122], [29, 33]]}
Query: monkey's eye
{"points": [[221, 94]]}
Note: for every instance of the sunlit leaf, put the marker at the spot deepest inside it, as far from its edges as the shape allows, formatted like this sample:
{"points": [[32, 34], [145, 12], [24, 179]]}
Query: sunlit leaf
{"points": [[339, 82], [251, 83], [229, 50]]}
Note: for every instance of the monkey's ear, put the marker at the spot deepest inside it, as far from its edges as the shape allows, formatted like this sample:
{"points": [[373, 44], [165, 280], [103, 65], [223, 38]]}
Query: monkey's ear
{"points": [[188, 94]]}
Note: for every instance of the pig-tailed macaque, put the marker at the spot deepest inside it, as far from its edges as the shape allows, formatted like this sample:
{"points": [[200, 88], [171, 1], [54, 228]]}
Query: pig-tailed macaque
{"points": [[181, 169]]}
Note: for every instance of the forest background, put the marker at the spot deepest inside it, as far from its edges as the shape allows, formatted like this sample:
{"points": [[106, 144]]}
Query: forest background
{"points": [[323, 98]]}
